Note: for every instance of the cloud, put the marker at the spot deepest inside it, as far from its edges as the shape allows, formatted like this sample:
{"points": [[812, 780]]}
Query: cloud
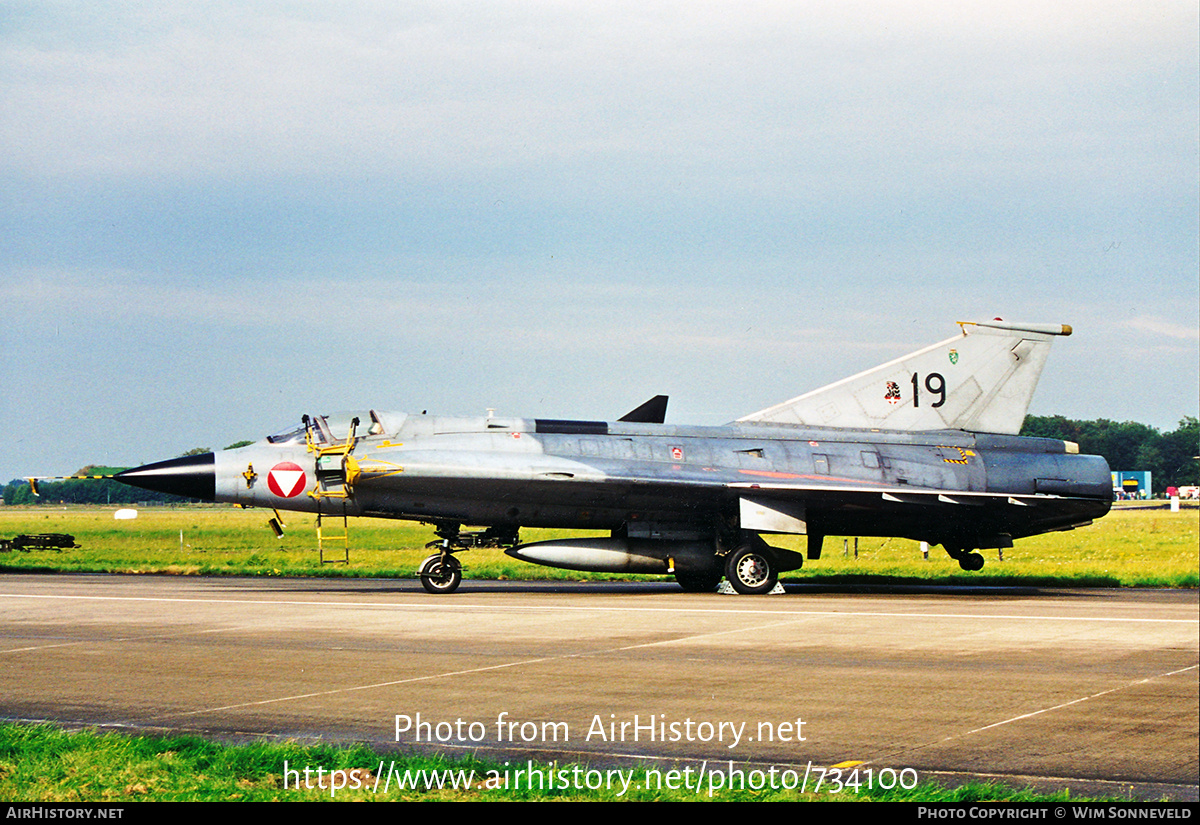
{"points": [[1160, 327], [463, 89]]}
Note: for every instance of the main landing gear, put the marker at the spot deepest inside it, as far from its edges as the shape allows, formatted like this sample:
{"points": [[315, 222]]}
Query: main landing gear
{"points": [[442, 572], [752, 569]]}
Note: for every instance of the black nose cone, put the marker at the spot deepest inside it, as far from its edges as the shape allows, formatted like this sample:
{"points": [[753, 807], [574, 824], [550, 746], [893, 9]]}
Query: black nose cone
{"points": [[192, 476]]}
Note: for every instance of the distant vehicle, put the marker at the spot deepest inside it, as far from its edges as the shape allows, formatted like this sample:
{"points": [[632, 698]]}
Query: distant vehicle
{"points": [[922, 447], [39, 541]]}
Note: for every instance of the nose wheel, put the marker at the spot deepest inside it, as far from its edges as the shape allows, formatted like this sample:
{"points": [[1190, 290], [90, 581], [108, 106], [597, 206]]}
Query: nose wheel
{"points": [[440, 574]]}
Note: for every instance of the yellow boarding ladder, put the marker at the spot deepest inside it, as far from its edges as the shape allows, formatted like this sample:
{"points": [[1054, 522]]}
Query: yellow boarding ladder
{"points": [[335, 466]]}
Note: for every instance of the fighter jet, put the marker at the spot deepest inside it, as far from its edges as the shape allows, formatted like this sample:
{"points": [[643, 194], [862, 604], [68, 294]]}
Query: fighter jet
{"points": [[923, 447]]}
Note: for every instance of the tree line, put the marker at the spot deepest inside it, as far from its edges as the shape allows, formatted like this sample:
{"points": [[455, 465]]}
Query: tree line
{"points": [[1128, 445], [85, 491], [95, 491]]}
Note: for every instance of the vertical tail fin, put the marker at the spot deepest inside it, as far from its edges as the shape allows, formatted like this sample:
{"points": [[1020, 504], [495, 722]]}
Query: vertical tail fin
{"points": [[981, 380]]}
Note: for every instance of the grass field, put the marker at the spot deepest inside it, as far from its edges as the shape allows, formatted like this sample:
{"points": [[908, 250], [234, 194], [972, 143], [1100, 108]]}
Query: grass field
{"points": [[43, 763], [1128, 548]]}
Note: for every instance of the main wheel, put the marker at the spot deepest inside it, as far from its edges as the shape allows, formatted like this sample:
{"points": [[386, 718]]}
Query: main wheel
{"points": [[440, 575], [751, 570], [698, 582]]}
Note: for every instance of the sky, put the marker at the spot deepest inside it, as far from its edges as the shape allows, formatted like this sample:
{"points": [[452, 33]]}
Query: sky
{"points": [[217, 217]]}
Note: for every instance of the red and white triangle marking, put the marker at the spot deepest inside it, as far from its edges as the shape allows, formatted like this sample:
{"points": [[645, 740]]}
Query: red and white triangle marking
{"points": [[286, 479]]}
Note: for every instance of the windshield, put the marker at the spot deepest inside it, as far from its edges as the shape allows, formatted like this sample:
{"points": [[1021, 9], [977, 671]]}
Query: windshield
{"points": [[296, 433]]}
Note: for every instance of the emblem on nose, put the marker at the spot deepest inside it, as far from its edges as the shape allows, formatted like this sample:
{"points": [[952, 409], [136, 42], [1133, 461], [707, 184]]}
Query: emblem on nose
{"points": [[286, 479]]}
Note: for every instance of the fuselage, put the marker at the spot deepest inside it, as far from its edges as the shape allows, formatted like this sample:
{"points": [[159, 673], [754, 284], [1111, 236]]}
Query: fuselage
{"points": [[659, 480]]}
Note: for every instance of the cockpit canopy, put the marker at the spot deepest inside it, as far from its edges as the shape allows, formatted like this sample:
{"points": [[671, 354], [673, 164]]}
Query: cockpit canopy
{"points": [[336, 428]]}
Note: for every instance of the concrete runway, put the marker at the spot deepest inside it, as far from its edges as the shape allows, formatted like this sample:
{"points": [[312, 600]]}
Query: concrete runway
{"points": [[1095, 690]]}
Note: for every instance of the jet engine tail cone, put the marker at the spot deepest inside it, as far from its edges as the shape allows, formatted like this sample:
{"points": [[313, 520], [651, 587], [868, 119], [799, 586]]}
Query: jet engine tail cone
{"points": [[192, 476]]}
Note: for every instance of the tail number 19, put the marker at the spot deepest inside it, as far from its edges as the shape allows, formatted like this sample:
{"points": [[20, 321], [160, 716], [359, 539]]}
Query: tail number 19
{"points": [[935, 384]]}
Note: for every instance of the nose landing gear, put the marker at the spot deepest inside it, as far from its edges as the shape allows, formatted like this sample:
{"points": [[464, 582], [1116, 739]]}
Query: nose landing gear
{"points": [[442, 572]]}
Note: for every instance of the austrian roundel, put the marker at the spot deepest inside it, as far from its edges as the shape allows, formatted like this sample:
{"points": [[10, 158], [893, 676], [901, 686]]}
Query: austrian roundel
{"points": [[286, 479]]}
